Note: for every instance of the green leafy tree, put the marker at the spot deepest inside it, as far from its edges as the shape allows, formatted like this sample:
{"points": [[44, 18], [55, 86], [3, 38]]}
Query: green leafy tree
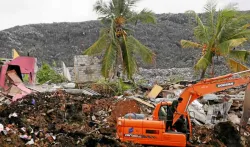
{"points": [[117, 46], [218, 34], [46, 73]]}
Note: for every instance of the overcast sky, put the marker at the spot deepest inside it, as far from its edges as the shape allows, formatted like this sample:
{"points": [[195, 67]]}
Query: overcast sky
{"points": [[21, 12]]}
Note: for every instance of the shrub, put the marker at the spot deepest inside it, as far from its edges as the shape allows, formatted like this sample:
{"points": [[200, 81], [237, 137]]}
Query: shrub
{"points": [[46, 73]]}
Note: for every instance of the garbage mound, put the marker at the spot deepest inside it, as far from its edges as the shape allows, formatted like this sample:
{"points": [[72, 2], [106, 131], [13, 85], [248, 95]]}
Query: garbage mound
{"points": [[223, 134], [59, 119], [63, 119]]}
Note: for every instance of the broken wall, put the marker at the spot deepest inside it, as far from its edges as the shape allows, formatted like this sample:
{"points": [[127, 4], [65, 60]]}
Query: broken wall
{"points": [[86, 69]]}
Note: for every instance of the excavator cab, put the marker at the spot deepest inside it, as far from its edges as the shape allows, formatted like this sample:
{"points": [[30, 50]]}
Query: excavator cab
{"points": [[183, 123], [163, 112]]}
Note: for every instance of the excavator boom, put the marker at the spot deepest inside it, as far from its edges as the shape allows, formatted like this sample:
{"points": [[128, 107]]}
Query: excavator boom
{"points": [[212, 85], [153, 130]]}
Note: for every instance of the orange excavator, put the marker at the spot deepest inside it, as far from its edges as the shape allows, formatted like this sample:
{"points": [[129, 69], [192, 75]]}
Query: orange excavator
{"points": [[151, 130]]}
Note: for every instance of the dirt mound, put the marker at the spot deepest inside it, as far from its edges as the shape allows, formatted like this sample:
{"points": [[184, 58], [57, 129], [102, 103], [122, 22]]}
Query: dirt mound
{"points": [[123, 107]]}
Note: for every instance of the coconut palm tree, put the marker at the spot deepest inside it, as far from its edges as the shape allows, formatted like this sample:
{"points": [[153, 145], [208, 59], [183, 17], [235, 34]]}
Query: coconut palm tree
{"points": [[115, 43], [219, 35]]}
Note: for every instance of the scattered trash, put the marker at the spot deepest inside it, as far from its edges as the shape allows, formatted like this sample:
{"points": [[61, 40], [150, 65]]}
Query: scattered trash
{"points": [[83, 117], [1, 128], [46, 123]]}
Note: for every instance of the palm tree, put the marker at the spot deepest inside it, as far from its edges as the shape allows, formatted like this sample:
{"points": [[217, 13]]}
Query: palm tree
{"points": [[117, 46], [219, 35]]}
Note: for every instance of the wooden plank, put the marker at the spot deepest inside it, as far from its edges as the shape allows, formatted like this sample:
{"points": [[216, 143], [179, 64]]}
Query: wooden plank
{"points": [[143, 102], [155, 91]]}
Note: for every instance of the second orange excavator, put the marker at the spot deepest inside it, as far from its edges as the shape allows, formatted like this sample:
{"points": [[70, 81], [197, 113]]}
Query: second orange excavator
{"points": [[151, 130]]}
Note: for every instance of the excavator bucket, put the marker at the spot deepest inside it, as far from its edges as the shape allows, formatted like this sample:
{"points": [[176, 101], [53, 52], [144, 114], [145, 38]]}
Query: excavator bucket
{"points": [[246, 108]]}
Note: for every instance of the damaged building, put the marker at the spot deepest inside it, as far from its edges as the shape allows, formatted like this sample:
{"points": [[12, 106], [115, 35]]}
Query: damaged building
{"points": [[12, 72]]}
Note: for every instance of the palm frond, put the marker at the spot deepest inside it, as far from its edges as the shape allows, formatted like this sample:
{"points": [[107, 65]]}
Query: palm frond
{"points": [[109, 60], [225, 47], [236, 66], [101, 44], [190, 44], [241, 55], [226, 20], [240, 29], [142, 51], [112, 31], [219, 27], [129, 5], [105, 20], [129, 62], [145, 16], [200, 31], [243, 33], [128, 31], [102, 8], [104, 31], [231, 7], [118, 6], [235, 27], [210, 8], [132, 2], [246, 26], [204, 61]]}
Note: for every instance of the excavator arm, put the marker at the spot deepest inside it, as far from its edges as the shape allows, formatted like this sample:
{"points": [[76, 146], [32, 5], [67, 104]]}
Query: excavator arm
{"points": [[212, 85]]}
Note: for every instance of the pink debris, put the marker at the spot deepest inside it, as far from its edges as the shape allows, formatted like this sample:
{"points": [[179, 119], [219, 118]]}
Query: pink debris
{"points": [[11, 76]]}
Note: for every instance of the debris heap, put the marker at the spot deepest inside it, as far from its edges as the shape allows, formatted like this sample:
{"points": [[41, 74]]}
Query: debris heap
{"points": [[63, 119], [60, 119], [223, 134]]}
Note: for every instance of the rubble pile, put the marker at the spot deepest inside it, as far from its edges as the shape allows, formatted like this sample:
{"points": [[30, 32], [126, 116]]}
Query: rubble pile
{"points": [[223, 134], [61, 119], [163, 76]]}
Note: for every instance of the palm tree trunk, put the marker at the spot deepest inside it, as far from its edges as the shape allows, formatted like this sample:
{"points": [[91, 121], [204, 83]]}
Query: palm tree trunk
{"points": [[203, 73], [116, 67], [212, 68]]}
